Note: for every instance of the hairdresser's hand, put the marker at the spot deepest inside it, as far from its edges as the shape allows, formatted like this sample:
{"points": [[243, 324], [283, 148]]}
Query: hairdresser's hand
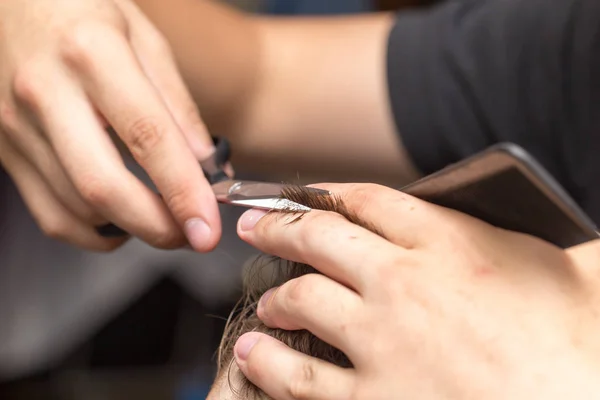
{"points": [[445, 307], [69, 69]]}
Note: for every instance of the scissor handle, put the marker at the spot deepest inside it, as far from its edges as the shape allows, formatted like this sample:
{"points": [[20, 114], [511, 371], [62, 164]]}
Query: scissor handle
{"points": [[213, 168]]}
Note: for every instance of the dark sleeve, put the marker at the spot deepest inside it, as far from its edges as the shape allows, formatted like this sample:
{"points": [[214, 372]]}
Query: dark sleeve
{"points": [[467, 74]]}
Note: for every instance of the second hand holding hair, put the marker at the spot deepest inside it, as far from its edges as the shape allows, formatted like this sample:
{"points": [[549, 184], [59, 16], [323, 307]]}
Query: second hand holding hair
{"points": [[436, 304]]}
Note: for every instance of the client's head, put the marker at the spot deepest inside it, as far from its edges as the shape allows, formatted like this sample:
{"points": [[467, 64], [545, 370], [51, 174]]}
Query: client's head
{"points": [[262, 274]]}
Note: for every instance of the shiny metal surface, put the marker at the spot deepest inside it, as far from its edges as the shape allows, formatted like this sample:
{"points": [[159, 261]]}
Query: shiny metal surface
{"points": [[263, 195]]}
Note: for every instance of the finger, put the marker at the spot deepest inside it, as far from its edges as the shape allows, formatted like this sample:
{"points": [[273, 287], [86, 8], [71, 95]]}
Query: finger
{"points": [[286, 374], [156, 59], [93, 163], [51, 216], [38, 152], [324, 240], [399, 217], [308, 302], [137, 113]]}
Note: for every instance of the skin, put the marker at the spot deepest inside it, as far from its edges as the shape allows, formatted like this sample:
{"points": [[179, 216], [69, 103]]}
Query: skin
{"points": [[295, 95], [267, 85], [289, 106], [221, 389], [511, 316], [70, 69]]}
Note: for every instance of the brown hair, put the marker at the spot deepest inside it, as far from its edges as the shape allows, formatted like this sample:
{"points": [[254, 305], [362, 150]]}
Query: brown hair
{"points": [[266, 272]]}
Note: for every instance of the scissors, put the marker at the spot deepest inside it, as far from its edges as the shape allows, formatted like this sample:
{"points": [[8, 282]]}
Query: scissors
{"points": [[251, 194]]}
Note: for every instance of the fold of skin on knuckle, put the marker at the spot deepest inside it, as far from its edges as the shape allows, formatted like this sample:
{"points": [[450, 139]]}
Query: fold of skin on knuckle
{"points": [[301, 386], [155, 43], [143, 136], [8, 118], [177, 196], [265, 311], [28, 84], [99, 191], [82, 44], [53, 225], [192, 125], [96, 189], [288, 300], [297, 291], [360, 195], [165, 237], [89, 215]]}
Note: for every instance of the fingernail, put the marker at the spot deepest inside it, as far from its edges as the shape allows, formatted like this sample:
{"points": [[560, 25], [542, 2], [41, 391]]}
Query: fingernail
{"points": [[264, 300], [244, 345], [229, 170], [197, 232], [250, 218]]}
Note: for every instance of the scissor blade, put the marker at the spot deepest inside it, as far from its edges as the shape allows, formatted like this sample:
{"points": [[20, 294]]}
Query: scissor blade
{"points": [[262, 195], [272, 204]]}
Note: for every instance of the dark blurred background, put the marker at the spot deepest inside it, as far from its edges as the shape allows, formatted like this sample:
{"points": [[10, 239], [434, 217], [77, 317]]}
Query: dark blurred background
{"points": [[162, 345]]}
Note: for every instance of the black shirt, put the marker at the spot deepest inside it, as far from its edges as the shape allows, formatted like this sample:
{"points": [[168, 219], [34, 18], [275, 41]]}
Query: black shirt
{"points": [[470, 73]]}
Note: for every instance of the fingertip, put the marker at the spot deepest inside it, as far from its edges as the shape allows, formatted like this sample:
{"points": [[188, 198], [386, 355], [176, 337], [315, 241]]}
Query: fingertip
{"points": [[264, 302], [229, 170], [202, 222], [249, 219], [201, 236], [244, 346]]}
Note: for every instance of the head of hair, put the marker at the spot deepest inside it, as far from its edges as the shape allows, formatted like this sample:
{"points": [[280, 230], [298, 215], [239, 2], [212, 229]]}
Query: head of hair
{"points": [[264, 273]]}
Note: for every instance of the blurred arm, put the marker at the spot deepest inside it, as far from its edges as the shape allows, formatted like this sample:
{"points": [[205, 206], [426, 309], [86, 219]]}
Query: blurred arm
{"points": [[303, 93]]}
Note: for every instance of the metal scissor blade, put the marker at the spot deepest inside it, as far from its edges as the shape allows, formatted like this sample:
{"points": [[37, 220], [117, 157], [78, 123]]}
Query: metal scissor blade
{"points": [[272, 204], [263, 195]]}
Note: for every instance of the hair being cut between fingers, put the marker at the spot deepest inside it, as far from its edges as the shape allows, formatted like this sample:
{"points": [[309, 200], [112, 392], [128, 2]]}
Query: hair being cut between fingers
{"points": [[266, 272]]}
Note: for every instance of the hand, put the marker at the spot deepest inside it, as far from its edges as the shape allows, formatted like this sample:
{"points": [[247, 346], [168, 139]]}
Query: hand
{"points": [[69, 70], [446, 307]]}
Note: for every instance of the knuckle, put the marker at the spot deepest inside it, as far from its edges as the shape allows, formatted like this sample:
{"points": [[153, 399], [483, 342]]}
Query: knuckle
{"points": [[27, 83], [143, 136], [192, 114], [87, 214], [54, 227], [302, 383], [81, 41], [158, 44], [95, 190], [363, 193], [166, 238], [319, 229], [8, 118], [176, 197], [297, 290], [388, 272]]}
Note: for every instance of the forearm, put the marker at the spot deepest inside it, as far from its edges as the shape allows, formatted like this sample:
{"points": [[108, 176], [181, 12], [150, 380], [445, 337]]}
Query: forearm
{"points": [[217, 50], [308, 93]]}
